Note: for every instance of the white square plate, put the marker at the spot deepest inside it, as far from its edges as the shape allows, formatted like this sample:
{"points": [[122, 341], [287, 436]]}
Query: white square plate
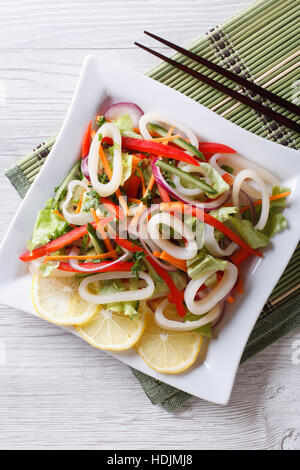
{"points": [[99, 82]]}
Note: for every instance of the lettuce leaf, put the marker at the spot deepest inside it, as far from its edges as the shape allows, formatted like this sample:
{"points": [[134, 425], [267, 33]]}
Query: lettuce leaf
{"points": [[48, 226], [161, 287], [202, 263], [125, 126], [276, 221], [125, 308], [126, 163], [127, 167], [205, 330], [47, 268], [215, 180], [222, 214], [248, 233]]}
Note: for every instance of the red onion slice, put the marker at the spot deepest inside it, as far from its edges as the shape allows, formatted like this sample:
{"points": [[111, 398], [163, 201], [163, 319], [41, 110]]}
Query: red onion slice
{"points": [[80, 266], [206, 206], [84, 167], [116, 110], [251, 206]]}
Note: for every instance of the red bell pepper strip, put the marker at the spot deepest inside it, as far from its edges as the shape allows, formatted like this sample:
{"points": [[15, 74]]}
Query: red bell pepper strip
{"points": [[122, 266], [86, 141], [133, 186], [212, 147], [175, 296], [239, 256], [154, 148], [128, 245], [113, 208], [60, 242], [177, 299], [210, 220], [163, 194], [228, 179]]}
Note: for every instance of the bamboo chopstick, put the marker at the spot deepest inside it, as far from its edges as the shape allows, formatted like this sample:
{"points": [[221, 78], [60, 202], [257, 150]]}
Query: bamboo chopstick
{"points": [[232, 76], [256, 105]]}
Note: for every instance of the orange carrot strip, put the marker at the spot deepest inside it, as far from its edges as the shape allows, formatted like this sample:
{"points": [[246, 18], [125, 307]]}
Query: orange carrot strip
{"points": [[93, 133], [109, 254], [59, 214], [230, 299], [142, 179], [156, 253], [79, 206], [166, 139], [102, 232], [108, 171], [178, 263], [95, 217], [228, 179], [133, 199], [272, 198], [135, 160]]}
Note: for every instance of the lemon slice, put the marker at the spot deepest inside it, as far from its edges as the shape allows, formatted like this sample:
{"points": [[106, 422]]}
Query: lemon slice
{"points": [[169, 352], [112, 331], [57, 300]]}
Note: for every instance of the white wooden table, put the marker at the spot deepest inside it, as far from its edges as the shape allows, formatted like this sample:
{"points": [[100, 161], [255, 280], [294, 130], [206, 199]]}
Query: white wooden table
{"points": [[57, 391]]}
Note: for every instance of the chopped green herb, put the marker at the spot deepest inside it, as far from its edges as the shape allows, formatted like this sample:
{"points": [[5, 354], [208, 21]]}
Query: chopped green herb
{"points": [[101, 120], [84, 244], [228, 169], [147, 199], [138, 262]]}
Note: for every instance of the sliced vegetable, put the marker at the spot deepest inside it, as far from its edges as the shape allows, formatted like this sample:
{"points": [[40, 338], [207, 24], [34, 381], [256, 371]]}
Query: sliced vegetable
{"points": [[105, 266], [112, 208], [197, 182], [179, 141], [97, 243], [62, 188], [212, 147], [173, 192], [154, 148], [117, 110], [86, 141], [202, 263], [247, 232], [48, 225], [210, 220], [60, 242]]}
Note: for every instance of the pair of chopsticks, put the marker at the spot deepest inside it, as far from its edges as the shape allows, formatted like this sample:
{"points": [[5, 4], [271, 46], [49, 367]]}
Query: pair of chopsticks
{"points": [[253, 87]]}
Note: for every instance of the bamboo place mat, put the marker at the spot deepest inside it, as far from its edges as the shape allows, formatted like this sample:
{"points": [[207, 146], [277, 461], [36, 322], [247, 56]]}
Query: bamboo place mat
{"points": [[258, 43]]}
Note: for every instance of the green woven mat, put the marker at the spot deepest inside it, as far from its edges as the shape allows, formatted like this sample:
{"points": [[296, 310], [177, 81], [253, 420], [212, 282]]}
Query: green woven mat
{"points": [[260, 43]]}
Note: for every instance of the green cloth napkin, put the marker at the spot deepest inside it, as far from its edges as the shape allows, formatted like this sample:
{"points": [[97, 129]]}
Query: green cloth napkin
{"points": [[257, 42]]}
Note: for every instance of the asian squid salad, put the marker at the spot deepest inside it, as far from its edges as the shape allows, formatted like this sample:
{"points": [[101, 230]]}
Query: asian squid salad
{"points": [[142, 243]]}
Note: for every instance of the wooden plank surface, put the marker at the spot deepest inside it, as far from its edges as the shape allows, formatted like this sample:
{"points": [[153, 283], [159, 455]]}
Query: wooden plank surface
{"points": [[56, 391]]}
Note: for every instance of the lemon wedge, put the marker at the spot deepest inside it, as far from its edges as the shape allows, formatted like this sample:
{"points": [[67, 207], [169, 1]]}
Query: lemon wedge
{"points": [[112, 331], [57, 300], [166, 351]]}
